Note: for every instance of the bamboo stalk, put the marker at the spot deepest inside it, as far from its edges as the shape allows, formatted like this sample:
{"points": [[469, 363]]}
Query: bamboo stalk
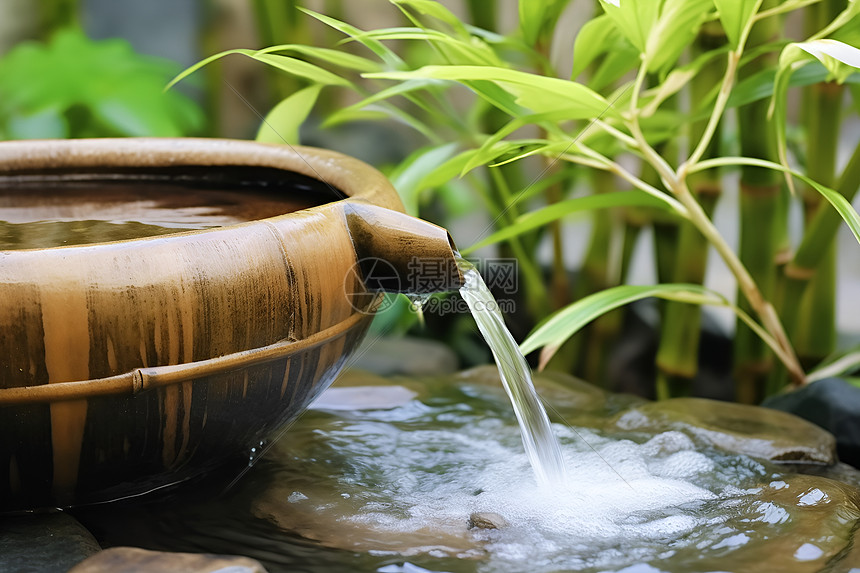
{"points": [[678, 353], [820, 234], [760, 191]]}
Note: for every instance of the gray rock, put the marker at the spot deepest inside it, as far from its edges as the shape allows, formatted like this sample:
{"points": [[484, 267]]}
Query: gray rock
{"points": [[487, 520], [43, 543], [757, 432], [404, 356], [833, 404], [135, 560]]}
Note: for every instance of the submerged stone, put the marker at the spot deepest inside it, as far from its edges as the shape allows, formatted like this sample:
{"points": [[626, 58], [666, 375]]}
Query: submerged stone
{"points": [[486, 520], [441, 482], [135, 560], [39, 543], [750, 430]]}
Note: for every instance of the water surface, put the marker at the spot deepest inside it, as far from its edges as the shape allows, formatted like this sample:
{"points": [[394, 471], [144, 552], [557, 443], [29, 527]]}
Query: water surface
{"points": [[392, 486]]}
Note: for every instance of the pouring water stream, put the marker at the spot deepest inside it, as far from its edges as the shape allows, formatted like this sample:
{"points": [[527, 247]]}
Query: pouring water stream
{"points": [[541, 445]]}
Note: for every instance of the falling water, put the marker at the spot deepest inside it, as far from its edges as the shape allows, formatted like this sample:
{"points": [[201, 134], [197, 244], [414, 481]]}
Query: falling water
{"points": [[540, 443]]}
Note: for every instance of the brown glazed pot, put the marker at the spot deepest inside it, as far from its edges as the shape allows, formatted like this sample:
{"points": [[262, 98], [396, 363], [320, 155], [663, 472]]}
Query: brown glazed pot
{"points": [[130, 365]]}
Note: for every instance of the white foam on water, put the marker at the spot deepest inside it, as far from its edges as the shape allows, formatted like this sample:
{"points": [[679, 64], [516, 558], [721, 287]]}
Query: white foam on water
{"points": [[622, 503]]}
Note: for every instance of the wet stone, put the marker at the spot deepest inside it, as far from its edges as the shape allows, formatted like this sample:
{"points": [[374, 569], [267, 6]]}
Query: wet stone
{"points": [[441, 482], [833, 404], [404, 356], [750, 430], [486, 520], [135, 560], [43, 543]]}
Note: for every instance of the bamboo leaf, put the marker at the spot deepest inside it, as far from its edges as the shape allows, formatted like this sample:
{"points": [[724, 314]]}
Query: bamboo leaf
{"points": [[409, 181], [334, 57], [538, 15], [535, 219], [842, 206], [675, 29], [457, 51], [563, 324], [293, 66], [596, 37], [622, 58], [283, 122], [735, 16], [839, 58], [840, 364], [634, 18], [677, 79], [435, 10], [391, 59], [846, 18], [299, 68], [402, 88], [539, 93]]}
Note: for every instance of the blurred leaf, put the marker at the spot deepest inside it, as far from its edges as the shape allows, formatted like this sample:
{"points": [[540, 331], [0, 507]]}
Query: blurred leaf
{"points": [[561, 325], [735, 15], [410, 179], [283, 122], [435, 10], [601, 37], [112, 91], [840, 363], [533, 91], [677, 79], [45, 124], [537, 16], [760, 85], [622, 58], [592, 41], [675, 29], [541, 217]]}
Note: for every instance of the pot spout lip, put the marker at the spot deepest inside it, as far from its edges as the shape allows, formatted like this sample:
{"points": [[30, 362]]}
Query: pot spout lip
{"points": [[400, 253]]}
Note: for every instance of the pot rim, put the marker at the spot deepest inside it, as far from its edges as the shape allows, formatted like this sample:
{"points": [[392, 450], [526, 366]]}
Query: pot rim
{"points": [[345, 175]]}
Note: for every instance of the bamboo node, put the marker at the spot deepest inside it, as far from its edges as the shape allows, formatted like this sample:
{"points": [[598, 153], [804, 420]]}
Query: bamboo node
{"points": [[797, 272]]}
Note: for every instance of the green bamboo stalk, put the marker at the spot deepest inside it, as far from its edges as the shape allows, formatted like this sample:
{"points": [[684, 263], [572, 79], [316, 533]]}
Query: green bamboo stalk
{"points": [[678, 353], [819, 237], [815, 334], [760, 227], [276, 22], [596, 275]]}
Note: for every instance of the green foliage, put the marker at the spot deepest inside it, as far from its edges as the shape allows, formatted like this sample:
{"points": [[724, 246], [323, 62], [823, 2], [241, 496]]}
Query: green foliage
{"points": [[75, 87], [646, 104]]}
